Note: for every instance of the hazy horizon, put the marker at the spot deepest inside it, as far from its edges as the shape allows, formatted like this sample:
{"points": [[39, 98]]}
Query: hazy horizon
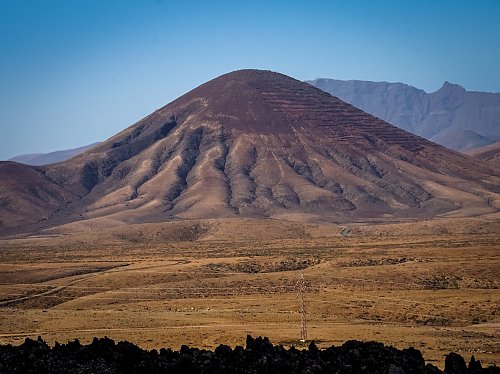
{"points": [[74, 73]]}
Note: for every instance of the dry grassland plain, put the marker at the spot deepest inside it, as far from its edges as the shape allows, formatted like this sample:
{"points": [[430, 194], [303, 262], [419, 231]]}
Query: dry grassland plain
{"points": [[432, 285]]}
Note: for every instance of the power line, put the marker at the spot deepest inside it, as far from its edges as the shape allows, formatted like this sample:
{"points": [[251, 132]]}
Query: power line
{"points": [[301, 285]]}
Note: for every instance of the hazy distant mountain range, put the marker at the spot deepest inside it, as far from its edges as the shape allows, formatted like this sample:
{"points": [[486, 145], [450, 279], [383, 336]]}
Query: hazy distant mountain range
{"points": [[51, 157], [451, 116]]}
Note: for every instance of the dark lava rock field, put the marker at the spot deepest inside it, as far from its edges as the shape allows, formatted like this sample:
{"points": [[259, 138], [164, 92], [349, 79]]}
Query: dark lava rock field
{"points": [[259, 356]]}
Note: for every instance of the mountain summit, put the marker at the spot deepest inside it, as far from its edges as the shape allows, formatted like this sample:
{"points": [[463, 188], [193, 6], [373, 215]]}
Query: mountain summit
{"points": [[256, 143]]}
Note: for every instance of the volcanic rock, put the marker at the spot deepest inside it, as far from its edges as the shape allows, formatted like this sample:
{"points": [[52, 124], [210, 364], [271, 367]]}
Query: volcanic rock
{"points": [[259, 356]]}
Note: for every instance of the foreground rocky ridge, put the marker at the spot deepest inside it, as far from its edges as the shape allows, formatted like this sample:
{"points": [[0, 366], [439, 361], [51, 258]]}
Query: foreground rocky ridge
{"points": [[259, 356]]}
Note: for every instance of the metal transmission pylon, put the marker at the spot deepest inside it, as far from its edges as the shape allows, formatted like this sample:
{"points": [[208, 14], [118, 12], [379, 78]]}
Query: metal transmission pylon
{"points": [[301, 286]]}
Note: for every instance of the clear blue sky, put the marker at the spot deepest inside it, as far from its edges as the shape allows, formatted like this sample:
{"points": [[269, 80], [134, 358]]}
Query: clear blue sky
{"points": [[73, 72]]}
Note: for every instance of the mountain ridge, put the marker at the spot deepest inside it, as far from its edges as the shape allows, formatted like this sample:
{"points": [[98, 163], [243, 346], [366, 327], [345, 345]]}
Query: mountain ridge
{"points": [[449, 110], [260, 144]]}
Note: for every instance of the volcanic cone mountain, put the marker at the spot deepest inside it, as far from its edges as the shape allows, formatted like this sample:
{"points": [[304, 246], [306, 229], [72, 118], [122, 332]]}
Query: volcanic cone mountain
{"points": [[261, 144]]}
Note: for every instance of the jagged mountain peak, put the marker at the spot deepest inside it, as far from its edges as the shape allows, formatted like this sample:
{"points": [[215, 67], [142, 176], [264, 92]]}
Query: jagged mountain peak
{"points": [[448, 86]]}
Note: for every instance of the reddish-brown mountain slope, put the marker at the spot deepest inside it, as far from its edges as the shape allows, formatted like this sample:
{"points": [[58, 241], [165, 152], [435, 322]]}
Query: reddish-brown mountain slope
{"points": [[27, 196], [260, 144], [489, 153]]}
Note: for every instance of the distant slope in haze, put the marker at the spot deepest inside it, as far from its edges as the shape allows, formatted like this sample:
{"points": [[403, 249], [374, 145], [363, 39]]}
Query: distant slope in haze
{"points": [[38, 159], [461, 140], [451, 116]]}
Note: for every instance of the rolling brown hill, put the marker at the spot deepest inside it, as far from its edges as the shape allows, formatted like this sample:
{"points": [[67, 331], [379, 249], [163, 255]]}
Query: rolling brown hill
{"points": [[261, 144], [490, 153]]}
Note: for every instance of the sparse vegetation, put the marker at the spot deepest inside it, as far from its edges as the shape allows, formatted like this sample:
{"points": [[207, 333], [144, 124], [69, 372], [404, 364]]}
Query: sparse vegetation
{"points": [[201, 283], [289, 264]]}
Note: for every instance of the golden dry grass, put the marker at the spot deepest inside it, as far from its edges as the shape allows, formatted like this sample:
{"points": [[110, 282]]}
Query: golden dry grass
{"points": [[432, 284]]}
